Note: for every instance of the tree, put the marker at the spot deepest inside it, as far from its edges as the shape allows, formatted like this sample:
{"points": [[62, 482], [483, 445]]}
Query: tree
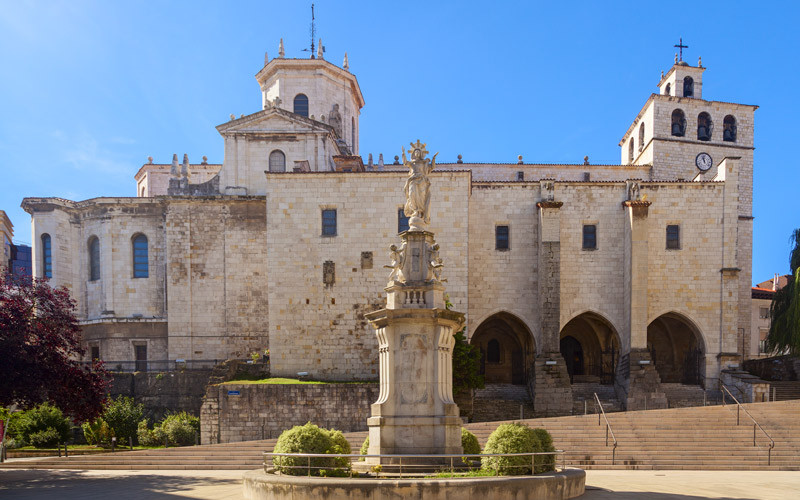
{"points": [[40, 351], [784, 330], [122, 416], [466, 361]]}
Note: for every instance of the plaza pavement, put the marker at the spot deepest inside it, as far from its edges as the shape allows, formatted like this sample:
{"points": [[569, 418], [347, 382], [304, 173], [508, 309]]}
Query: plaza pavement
{"points": [[19, 484]]}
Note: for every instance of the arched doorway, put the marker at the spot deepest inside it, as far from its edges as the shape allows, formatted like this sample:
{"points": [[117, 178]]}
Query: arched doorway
{"points": [[590, 347], [677, 349], [506, 345]]}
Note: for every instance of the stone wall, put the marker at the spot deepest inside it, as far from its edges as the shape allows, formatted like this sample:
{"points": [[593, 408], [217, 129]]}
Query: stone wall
{"points": [[242, 412], [775, 368], [162, 393]]}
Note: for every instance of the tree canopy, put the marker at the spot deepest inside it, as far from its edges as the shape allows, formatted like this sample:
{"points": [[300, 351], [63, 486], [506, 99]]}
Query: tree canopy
{"points": [[40, 351], [784, 330]]}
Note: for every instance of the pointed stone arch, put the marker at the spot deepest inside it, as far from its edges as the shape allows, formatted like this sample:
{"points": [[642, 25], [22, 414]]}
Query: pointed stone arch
{"points": [[507, 348], [677, 348], [590, 345]]}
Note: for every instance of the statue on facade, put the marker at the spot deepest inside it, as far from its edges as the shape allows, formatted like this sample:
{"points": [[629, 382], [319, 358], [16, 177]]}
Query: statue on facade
{"points": [[435, 263], [633, 192], [335, 120], [418, 187]]}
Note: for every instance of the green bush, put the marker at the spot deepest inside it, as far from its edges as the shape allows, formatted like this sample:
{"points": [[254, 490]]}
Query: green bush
{"points": [[470, 445], [150, 437], [39, 422], [309, 438], [48, 438], [122, 416], [545, 463], [97, 432], [181, 428], [364, 448], [511, 438]]}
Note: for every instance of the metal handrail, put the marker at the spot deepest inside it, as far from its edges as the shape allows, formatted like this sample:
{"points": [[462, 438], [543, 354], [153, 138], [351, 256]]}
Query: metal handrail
{"points": [[454, 461], [755, 424], [602, 413]]}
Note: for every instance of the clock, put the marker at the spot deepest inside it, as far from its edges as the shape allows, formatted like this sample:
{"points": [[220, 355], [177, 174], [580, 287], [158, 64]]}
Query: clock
{"points": [[703, 161]]}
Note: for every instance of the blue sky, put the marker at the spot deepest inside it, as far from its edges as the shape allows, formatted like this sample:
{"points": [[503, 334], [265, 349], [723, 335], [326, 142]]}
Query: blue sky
{"points": [[90, 89]]}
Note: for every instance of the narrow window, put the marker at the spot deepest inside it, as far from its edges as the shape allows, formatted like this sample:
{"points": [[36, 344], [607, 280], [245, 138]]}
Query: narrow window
{"points": [[641, 137], [493, 351], [140, 352], [402, 220], [520, 176], [630, 151], [704, 126], [501, 238], [301, 105], [673, 237], [729, 129], [688, 87], [352, 135], [328, 273], [47, 257], [678, 123], [329, 222], [589, 237], [94, 258], [277, 161], [764, 312], [140, 265], [95, 352], [668, 89]]}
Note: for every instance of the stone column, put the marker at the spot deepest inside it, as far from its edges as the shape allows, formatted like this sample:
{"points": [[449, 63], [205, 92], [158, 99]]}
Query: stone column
{"points": [[551, 389], [637, 382], [415, 412]]}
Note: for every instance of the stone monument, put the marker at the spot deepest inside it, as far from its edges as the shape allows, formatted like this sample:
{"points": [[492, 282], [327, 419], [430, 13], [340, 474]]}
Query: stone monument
{"points": [[415, 412]]}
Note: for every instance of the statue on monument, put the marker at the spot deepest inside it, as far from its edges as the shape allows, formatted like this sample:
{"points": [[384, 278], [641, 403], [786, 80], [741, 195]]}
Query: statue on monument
{"points": [[397, 256], [418, 187]]}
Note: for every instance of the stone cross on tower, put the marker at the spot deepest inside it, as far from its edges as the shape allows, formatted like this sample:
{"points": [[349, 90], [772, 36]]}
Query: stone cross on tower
{"points": [[415, 412]]}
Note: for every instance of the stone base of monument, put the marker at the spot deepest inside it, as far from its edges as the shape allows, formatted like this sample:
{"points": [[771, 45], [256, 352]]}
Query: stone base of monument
{"points": [[569, 483]]}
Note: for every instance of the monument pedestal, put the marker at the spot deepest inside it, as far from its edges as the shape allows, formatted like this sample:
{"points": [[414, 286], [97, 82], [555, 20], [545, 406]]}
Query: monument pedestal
{"points": [[415, 413]]}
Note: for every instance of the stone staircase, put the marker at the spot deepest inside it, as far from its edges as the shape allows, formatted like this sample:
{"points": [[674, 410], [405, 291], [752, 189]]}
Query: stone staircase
{"points": [[700, 438], [785, 390], [583, 398], [501, 402]]}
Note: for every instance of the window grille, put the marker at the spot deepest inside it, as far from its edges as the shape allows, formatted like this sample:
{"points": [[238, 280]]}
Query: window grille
{"points": [[589, 236], [501, 238], [329, 222], [140, 257]]}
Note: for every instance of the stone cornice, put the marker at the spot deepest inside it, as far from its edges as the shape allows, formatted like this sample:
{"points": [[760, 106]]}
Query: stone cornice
{"points": [[234, 124], [636, 203], [550, 204]]}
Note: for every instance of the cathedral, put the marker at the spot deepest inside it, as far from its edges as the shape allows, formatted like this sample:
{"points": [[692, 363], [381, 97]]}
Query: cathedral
{"points": [[633, 275]]}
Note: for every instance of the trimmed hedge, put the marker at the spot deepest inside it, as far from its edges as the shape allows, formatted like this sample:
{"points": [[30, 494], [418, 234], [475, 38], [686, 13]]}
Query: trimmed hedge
{"points": [[518, 438], [309, 438]]}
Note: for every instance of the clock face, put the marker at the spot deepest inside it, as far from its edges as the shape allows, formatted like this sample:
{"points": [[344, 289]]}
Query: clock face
{"points": [[703, 161]]}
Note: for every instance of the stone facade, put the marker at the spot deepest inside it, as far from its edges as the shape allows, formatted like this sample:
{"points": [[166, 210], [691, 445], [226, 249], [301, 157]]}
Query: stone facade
{"points": [[602, 269], [241, 412]]}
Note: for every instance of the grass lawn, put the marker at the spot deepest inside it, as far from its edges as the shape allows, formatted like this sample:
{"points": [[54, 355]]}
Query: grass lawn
{"points": [[286, 381]]}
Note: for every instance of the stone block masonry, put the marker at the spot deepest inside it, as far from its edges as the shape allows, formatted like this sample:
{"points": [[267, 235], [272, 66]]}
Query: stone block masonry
{"points": [[243, 412]]}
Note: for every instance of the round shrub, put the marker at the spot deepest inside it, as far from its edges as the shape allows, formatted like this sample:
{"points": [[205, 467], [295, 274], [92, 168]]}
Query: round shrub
{"points": [[545, 463], [510, 438], [38, 421], [470, 445], [181, 428], [309, 438]]}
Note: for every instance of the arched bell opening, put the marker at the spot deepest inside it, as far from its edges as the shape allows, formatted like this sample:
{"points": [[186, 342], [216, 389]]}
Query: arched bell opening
{"points": [[507, 348], [590, 348], [677, 349]]}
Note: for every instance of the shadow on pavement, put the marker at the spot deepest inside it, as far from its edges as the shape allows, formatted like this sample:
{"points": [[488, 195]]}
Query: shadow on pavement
{"points": [[594, 493]]}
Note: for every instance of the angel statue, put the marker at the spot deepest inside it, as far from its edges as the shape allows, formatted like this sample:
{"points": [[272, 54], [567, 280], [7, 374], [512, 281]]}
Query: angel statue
{"points": [[418, 187], [397, 256]]}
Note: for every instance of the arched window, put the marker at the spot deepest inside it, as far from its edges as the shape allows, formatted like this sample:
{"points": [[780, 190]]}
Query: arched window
{"points": [[142, 193], [641, 137], [729, 129], [277, 161], [688, 87], [678, 123], [140, 264], [47, 257], [493, 351], [94, 258], [704, 126], [301, 105], [668, 89], [630, 151]]}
